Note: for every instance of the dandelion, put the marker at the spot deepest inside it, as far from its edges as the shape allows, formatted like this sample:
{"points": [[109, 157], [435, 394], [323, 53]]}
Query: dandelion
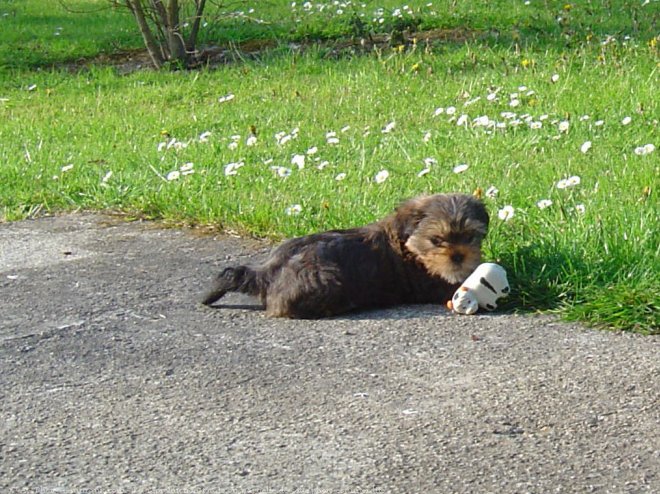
{"points": [[298, 160], [340, 177], [173, 175], [293, 210], [544, 203], [232, 168], [585, 147], [564, 125], [506, 213], [626, 121], [381, 176], [461, 168], [389, 127], [67, 168], [554, 78], [203, 137], [251, 140], [225, 98], [492, 191]]}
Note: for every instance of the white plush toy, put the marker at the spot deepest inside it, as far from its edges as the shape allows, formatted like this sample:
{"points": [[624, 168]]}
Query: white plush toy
{"points": [[482, 289]]}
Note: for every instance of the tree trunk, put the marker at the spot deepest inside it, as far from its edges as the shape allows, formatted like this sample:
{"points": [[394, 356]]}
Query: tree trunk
{"points": [[150, 42], [175, 40], [192, 39]]}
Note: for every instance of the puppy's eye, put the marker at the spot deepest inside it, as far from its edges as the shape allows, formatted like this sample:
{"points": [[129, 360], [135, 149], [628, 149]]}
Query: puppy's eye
{"points": [[437, 241]]}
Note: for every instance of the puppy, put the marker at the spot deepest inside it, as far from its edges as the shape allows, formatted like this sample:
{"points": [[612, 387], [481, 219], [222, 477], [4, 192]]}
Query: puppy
{"points": [[419, 254]]}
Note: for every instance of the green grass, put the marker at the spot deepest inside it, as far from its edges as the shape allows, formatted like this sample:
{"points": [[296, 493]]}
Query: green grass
{"points": [[591, 256]]}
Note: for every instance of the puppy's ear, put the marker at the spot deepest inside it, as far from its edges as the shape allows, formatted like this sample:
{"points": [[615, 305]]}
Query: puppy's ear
{"points": [[408, 215]]}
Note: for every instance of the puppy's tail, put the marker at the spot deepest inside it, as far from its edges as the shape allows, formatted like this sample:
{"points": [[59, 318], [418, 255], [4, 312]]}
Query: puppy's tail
{"points": [[237, 279]]}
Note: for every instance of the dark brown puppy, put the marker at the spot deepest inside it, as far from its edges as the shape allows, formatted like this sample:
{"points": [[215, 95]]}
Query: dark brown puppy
{"points": [[418, 254]]}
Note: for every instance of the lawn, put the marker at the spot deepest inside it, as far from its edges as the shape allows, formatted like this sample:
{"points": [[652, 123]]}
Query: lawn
{"points": [[547, 109]]}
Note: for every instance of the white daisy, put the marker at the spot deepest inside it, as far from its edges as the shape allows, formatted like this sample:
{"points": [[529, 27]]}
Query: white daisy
{"points": [[381, 176], [492, 191], [544, 203], [506, 213], [232, 168], [298, 160], [281, 171], [461, 168], [389, 127], [227, 97], [293, 210], [585, 147]]}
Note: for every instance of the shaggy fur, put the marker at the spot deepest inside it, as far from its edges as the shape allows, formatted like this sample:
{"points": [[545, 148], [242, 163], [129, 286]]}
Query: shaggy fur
{"points": [[419, 254]]}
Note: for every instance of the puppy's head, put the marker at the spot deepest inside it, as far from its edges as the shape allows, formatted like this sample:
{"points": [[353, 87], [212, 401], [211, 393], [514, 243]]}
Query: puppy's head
{"points": [[444, 233]]}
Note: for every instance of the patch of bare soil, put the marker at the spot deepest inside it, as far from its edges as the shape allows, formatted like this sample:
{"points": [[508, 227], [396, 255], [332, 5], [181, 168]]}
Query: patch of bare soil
{"points": [[127, 61]]}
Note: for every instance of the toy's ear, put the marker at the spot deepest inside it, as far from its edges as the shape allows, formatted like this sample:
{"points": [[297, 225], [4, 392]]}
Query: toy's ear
{"points": [[450, 305]]}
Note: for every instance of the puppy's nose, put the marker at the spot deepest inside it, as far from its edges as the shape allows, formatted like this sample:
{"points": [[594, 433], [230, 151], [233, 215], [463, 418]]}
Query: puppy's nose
{"points": [[457, 257]]}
